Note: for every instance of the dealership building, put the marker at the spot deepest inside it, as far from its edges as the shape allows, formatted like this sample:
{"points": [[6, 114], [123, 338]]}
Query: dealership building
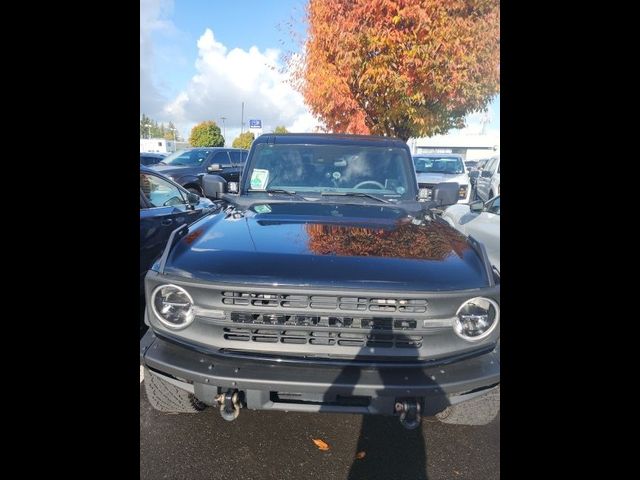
{"points": [[471, 147]]}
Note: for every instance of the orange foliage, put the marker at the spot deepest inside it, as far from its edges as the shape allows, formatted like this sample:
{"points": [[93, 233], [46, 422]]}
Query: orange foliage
{"points": [[399, 67], [432, 242]]}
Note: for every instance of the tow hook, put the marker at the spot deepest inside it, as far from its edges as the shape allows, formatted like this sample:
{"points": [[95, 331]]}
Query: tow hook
{"points": [[409, 411], [229, 404]]}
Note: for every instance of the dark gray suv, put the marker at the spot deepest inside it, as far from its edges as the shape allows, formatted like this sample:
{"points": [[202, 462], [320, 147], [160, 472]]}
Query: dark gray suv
{"points": [[187, 167]]}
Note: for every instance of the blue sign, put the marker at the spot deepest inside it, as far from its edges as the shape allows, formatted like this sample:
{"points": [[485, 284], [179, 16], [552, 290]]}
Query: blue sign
{"points": [[255, 123]]}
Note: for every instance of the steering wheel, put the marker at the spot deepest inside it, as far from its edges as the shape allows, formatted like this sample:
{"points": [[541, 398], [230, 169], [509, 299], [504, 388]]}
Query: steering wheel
{"points": [[377, 184]]}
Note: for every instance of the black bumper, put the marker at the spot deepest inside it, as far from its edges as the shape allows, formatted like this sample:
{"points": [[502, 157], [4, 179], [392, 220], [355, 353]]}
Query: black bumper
{"points": [[269, 384]]}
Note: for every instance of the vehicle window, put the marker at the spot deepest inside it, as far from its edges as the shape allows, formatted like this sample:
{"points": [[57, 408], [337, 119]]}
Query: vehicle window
{"points": [[332, 168], [235, 157], [159, 192], [493, 206], [490, 164], [181, 157], [222, 158], [244, 157], [442, 164], [199, 156]]}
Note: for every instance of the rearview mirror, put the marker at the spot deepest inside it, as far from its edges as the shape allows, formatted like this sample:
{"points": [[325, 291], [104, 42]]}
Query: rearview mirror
{"points": [[477, 206], [213, 186], [192, 198], [214, 167], [445, 194]]}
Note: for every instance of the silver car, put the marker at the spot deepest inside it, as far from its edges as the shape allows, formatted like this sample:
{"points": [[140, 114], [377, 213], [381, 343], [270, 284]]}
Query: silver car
{"points": [[487, 185], [481, 221], [435, 168]]}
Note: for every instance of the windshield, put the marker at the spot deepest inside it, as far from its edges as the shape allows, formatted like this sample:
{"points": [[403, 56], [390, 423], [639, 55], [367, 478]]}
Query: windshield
{"points": [[343, 169], [452, 165], [186, 157]]}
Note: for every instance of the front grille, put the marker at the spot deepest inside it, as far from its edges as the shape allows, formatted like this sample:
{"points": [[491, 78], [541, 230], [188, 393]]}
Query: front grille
{"points": [[323, 321], [326, 338], [324, 302]]}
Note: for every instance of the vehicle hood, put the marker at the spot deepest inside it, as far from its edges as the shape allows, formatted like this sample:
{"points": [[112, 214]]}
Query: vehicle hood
{"points": [[327, 245], [461, 178], [176, 171]]}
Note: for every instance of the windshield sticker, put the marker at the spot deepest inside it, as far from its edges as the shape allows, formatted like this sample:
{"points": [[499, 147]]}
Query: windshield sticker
{"points": [[400, 190], [262, 208], [259, 178]]}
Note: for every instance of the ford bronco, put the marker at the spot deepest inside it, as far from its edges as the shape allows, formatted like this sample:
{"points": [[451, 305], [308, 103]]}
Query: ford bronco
{"points": [[321, 283]]}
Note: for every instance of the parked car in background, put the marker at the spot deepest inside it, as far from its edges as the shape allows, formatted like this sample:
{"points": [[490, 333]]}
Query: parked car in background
{"points": [[148, 158], [475, 172], [324, 285], [480, 220], [187, 167], [471, 165], [435, 168], [487, 184], [164, 206]]}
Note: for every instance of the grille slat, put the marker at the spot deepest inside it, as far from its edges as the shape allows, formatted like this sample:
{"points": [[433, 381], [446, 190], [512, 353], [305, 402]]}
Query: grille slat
{"points": [[343, 339], [322, 302]]}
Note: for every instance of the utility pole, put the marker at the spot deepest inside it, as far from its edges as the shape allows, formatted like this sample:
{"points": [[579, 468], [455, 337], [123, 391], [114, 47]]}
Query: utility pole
{"points": [[242, 120]]}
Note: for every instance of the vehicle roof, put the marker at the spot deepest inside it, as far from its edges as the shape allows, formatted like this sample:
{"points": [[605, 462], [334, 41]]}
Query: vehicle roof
{"points": [[329, 139], [153, 154], [214, 148]]}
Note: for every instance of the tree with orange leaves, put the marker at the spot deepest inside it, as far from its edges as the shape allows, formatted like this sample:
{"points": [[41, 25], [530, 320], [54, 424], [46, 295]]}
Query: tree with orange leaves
{"points": [[402, 68]]}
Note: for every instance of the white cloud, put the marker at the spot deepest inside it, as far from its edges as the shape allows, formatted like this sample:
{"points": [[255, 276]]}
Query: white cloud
{"points": [[153, 18], [225, 78]]}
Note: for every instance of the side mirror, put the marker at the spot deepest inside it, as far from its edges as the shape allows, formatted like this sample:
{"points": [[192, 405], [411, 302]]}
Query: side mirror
{"points": [[473, 173], [485, 173], [476, 207], [445, 194], [232, 187], [192, 198], [213, 186], [214, 167]]}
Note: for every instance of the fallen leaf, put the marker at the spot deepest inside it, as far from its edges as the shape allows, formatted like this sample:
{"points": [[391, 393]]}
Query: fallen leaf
{"points": [[320, 444], [360, 455]]}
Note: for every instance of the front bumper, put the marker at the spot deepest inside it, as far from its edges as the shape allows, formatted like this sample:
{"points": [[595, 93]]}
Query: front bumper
{"points": [[269, 384]]}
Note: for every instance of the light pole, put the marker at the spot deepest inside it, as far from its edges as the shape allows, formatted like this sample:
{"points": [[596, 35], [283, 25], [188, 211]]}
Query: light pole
{"points": [[148, 125], [175, 141], [224, 130]]}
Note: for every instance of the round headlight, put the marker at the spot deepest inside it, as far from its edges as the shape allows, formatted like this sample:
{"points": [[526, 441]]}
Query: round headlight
{"points": [[173, 306], [476, 318]]}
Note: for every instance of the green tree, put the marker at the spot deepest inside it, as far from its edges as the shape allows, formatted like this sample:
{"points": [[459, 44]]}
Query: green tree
{"points": [[244, 140], [144, 130], [281, 129], [206, 134]]}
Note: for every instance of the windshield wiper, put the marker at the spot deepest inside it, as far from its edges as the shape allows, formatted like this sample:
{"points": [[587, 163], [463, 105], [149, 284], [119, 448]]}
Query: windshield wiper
{"points": [[354, 194], [280, 190]]}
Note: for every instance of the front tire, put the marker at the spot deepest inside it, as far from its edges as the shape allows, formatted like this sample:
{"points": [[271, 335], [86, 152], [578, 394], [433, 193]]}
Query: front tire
{"points": [[166, 397], [480, 410]]}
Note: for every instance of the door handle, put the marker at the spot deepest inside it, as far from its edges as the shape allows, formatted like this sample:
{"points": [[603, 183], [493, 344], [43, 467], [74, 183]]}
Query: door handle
{"points": [[166, 222]]}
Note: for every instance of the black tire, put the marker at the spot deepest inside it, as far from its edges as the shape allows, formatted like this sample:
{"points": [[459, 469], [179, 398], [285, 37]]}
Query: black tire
{"points": [[481, 410], [167, 398]]}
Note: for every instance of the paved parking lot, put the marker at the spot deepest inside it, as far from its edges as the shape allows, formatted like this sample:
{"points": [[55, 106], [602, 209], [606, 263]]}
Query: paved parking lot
{"points": [[277, 445]]}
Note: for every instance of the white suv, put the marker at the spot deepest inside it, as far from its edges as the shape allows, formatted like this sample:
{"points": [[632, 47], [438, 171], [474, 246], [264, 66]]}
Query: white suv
{"points": [[434, 168], [487, 184]]}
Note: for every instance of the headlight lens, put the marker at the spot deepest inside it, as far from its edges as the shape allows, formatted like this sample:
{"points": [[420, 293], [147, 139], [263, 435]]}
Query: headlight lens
{"points": [[462, 193], [424, 194], [173, 306], [476, 318]]}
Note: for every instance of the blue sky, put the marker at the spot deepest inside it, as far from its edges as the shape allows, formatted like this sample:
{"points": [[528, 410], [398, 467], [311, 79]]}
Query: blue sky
{"points": [[202, 58]]}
